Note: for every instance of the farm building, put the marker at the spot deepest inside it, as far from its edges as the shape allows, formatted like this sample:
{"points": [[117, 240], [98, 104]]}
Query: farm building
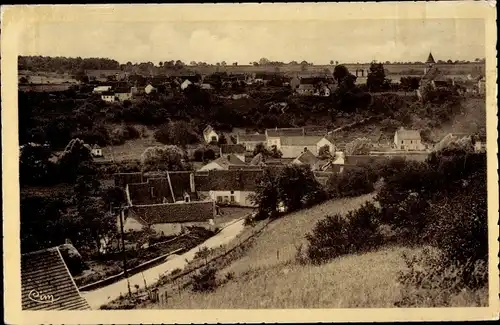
{"points": [[47, 284], [250, 141], [408, 140], [210, 135]]}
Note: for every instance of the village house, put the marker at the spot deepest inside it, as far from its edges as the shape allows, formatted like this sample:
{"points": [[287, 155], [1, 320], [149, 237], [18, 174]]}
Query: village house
{"points": [[46, 283], [408, 140], [327, 140], [232, 187], [123, 94], [101, 89], [210, 135], [238, 150], [229, 161], [292, 146], [273, 136], [96, 151], [149, 89], [250, 141], [108, 96]]}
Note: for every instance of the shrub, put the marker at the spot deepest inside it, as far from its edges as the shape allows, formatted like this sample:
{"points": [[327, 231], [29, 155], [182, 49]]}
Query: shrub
{"points": [[351, 182], [336, 235], [204, 280], [429, 282]]}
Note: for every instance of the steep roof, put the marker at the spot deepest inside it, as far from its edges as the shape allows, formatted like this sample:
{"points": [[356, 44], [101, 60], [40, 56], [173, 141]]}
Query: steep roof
{"points": [[308, 140], [228, 160], [122, 179], [251, 138], [232, 148], [228, 180], [404, 134], [45, 272], [430, 59], [194, 211], [307, 158], [122, 90], [284, 132]]}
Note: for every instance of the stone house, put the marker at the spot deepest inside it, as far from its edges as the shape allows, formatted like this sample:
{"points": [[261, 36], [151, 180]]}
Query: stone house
{"points": [[408, 140], [250, 141]]}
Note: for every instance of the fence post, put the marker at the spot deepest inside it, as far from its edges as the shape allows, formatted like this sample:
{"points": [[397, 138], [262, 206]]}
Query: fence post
{"points": [[278, 254]]}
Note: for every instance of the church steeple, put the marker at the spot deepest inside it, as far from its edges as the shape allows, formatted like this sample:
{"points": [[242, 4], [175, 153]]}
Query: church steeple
{"points": [[430, 59]]}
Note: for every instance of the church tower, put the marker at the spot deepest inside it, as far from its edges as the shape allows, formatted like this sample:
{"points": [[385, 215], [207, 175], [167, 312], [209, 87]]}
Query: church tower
{"points": [[429, 63]]}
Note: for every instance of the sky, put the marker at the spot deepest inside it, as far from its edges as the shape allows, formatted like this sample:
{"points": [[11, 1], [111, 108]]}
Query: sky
{"points": [[317, 41]]}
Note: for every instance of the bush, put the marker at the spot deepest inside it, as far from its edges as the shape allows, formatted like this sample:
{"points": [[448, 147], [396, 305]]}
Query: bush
{"points": [[336, 235], [204, 280], [351, 182], [428, 282]]}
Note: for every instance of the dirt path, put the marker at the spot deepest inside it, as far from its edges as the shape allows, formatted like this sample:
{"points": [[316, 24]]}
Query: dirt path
{"points": [[104, 295]]}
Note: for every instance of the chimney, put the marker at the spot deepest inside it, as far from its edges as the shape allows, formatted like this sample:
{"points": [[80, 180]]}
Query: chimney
{"points": [[191, 182]]}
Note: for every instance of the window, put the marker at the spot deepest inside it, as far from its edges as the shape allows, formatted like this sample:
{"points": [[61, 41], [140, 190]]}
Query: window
{"points": [[232, 198], [152, 191], [219, 198], [411, 141], [226, 198], [402, 142], [232, 192]]}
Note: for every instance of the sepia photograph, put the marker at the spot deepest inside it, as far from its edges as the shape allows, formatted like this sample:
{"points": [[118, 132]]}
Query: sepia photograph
{"points": [[162, 158]]}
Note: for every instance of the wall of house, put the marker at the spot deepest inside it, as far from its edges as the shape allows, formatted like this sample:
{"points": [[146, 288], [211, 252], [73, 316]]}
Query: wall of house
{"points": [[324, 142], [130, 224], [274, 141], [211, 166], [250, 145], [172, 229], [208, 136], [122, 97], [295, 151], [408, 144], [108, 98], [241, 198]]}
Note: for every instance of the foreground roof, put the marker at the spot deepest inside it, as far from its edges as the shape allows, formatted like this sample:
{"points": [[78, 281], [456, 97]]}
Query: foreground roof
{"points": [[45, 272], [195, 211], [232, 148]]}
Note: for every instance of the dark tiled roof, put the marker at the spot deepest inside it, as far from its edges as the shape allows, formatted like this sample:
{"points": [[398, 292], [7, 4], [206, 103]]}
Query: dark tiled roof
{"points": [[430, 58], [404, 134], [46, 273], [251, 138], [310, 140], [122, 90], [308, 158], [356, 160], [197, 211], [239, 167], [232, 148], [140, 193], [122, 179], [285, 132], [228, 180], [107, 93]]}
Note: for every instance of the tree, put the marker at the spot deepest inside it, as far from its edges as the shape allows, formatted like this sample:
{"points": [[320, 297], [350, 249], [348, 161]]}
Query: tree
{"points": [[266, 196], [179, 133], [376, 80], [223, 63], [193, 63], [331, 62], [24, 80], [324, 152], [222, 140], [75, 160], [359, 146], [35, 167], [163, 158], [263, 61]]}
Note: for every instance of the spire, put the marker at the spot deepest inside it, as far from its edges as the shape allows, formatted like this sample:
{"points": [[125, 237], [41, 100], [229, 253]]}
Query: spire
{"points": [[430, 59]]}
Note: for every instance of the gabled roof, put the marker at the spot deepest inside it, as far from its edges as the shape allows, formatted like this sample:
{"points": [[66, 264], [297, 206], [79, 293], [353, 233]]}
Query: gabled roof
{"points": [[251, 138], [208, 129], [284, 132], [194, 211], [45, 272], [227, 160], [107, 93], [430, 59], [232, 148], [122, 90], [307, 158], [404, 134], [228, 180], [307, 140]]}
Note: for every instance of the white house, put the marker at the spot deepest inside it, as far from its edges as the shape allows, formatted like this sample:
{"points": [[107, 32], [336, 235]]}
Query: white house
{"points": [[108, 96], [101, 89], [250, 141], [149, 89], [96, 151], [210, 135], [185, 84], [408, 140], [273, 136], [292, 146], [123, 94], [326, 141]]}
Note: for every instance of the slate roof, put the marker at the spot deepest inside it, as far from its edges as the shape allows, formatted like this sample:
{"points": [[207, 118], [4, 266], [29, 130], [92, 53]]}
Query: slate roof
{"points": [[122, 179], [404, 134], [232, 148], [251, 138], [284, 132], [307, 158], [140, 193], [228, 180], [195, 211], [357, 160], [308, 140], [46, 272], [228, 160]]}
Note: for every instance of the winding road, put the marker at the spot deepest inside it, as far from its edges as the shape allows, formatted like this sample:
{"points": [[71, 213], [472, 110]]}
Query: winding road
{"points": [[98, 297]]}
